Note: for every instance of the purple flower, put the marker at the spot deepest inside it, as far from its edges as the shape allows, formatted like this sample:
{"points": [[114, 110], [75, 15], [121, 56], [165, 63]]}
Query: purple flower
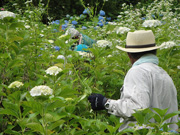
{"points": [[57, 48], [74, 22], [108, 18], [100, 18], [86, 11], [84, 27], [102, 13]]}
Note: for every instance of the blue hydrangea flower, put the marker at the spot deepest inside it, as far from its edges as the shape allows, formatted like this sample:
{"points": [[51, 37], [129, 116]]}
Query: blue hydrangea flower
{"points": [[163, 22], [153, 16], [56, 22], [64, 26], [106, 23], [143, 18], [71, 17], [66, 21], [57, 48], [102, 13], [84, 27], [86, 11], [108, 18], [55, 30], [100, 23], [74, 22], [81, 16], [100, 18]]}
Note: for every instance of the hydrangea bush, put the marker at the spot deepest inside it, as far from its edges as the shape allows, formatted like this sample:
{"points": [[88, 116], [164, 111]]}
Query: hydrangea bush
{"points": [[44, 84]]}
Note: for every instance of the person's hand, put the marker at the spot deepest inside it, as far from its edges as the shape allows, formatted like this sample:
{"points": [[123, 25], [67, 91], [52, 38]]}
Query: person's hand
{"points": [[97, 101]]}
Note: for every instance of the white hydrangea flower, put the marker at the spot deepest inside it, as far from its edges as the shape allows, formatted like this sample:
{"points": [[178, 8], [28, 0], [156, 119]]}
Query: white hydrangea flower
{"points": [[112, 23], [54, 70], [69, 56], [122, 30], [42, 35], [51, 41], [61, 57], [168, 44], [41, 90], [151, 23], [15, 84], [27, 26], [103, 43], [6, 14], [178, 67]]}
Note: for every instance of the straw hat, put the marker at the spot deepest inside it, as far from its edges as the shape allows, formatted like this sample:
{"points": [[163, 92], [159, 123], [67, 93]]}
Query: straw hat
{"points": [[139, 41]]}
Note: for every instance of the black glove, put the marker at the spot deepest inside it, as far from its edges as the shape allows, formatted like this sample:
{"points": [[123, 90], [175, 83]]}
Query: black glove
{"points": [[97, 101]]}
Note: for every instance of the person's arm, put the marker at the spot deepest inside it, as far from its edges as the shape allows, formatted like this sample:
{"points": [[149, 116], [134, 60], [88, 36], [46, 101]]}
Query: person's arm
{"points": [[80, 39], [135, 94]]}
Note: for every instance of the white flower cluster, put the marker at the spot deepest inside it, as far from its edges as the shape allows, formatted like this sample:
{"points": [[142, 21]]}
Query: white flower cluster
{"points": [[122, 30], [151, 23], [51, 41], [178, 67], [41, 90], [15, 84], [54, 70], [6, 14], [103, 43], [85, 54], [61, 57], [168, 44]]}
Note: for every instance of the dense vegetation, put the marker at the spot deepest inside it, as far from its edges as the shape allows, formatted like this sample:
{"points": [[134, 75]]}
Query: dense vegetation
{"points": [[44, 84]]}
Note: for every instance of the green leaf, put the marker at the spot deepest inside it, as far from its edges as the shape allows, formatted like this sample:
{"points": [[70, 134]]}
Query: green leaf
{"points": [[15, 97], [171, 115], [157, 118], [56, 104], [56, 124], [9, 112], [35, 106], [2, 39], [161, 112], [52, 116], [37, 127], [12, 132], [15, 25]]}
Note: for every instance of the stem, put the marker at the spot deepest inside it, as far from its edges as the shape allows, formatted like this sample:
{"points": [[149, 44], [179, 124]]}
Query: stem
{"points": [[44, 122]]}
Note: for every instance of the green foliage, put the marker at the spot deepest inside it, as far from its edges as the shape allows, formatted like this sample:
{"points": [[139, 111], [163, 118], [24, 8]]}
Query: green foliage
{"points": [[28, 48]]}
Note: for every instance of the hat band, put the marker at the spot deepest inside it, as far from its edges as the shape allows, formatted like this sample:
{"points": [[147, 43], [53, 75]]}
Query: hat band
{"points": [[140, 46]]}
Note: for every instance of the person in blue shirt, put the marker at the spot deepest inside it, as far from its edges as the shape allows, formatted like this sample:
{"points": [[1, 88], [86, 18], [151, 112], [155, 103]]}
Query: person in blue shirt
{"points": [[83, 42]]}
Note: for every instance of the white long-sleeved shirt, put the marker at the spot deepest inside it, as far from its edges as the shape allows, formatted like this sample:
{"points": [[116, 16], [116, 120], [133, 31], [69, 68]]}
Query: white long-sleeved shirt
{"points": [[145, 86]]}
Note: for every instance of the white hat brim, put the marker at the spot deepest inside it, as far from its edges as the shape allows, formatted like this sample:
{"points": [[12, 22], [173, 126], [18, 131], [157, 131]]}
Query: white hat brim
{"points": [[136, 50]]}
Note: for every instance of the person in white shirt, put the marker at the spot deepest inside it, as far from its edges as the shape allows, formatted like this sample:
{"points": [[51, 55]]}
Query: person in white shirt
{"points": [[146, 85]]}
